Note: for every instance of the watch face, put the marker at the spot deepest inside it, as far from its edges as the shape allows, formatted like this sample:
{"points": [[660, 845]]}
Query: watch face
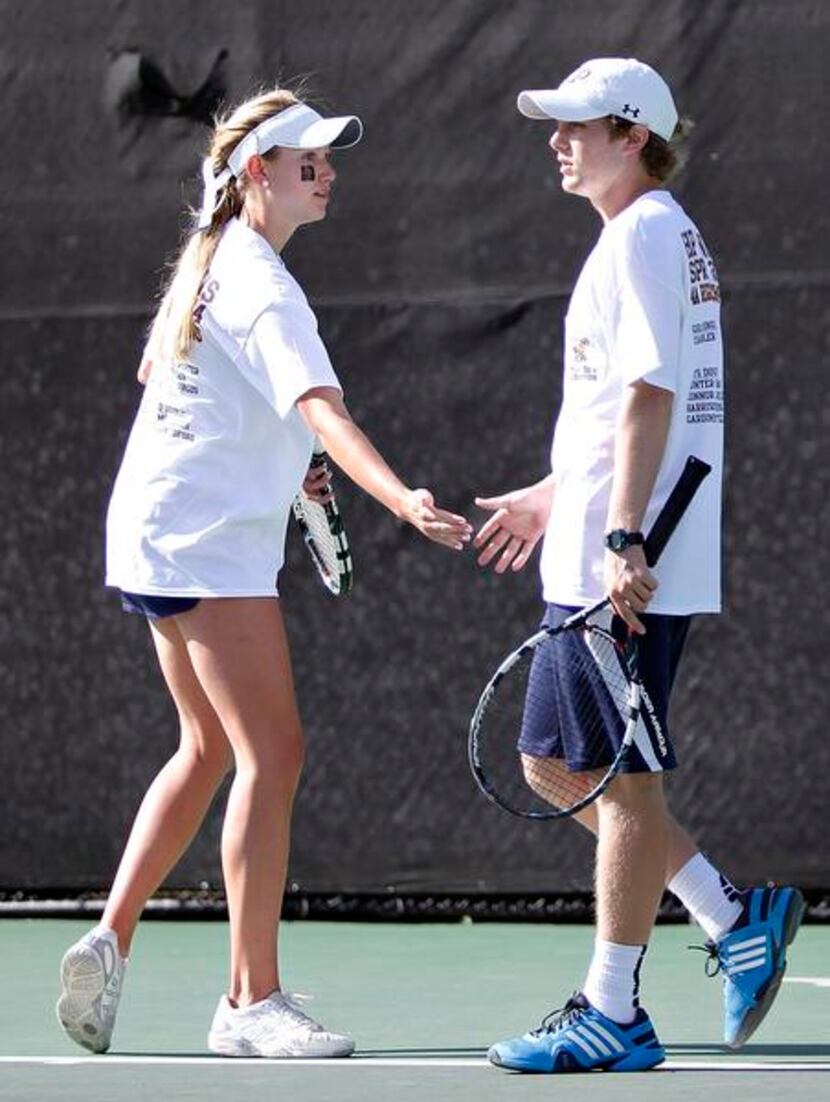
{"points": [[618, 539]]}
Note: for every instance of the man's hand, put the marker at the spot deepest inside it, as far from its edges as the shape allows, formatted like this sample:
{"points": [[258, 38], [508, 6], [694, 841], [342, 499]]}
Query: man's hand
{"points": [[519, 520], [630, 585]]}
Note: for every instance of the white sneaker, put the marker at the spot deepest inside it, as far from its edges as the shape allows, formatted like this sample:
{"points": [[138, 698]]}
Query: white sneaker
{"points": [[275, 1028], [92, 973]]}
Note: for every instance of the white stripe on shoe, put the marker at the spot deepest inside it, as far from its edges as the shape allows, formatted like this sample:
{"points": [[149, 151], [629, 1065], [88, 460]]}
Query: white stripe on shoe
{"points": [[589, 1051], [750, 943], [590, 1037], [609, 1037]]}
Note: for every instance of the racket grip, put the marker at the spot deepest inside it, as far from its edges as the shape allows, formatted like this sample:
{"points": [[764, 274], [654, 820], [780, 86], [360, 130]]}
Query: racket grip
{"points": [[676, 505]]}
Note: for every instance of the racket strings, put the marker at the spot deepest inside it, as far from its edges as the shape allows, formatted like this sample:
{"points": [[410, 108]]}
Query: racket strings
{"points": [[325, 536], [321, 531], [555, 784], [555, 721]]}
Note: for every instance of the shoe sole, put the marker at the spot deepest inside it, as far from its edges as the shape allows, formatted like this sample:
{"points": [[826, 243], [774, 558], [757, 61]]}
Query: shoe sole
{"points": [[625, 1064], [620, 1067], [224, 1046], [754, 1017], [83, 981]]}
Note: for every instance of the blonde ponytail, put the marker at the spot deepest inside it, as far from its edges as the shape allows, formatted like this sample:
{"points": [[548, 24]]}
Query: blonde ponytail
{"points": [[175, 327]]}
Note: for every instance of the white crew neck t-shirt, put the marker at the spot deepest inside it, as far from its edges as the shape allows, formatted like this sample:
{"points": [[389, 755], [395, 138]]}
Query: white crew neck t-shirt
{"points": [[218, 449], [646, 307]]}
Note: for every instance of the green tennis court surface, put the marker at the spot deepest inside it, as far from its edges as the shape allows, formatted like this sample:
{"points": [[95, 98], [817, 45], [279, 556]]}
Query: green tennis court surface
{"points": [[423, 1001]]}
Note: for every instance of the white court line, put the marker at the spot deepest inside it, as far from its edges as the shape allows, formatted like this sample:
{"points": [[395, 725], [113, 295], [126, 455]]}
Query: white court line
{"points": [[815, 981], [365, 1062]]}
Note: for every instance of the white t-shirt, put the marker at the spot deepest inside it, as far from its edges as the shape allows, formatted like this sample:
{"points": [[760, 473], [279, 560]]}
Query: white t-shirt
{"points": [[218, 449], [646, 307]]}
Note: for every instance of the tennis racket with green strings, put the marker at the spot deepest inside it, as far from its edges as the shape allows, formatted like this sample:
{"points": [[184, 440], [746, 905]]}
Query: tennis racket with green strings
{"points": [[321, 525]]}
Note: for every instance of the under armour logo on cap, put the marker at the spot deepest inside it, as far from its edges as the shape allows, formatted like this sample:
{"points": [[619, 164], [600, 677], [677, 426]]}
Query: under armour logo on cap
{"points": [[632, 111]]}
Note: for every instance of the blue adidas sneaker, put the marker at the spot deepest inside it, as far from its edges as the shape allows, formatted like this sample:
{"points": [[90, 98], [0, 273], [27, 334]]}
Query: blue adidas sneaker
{"points": [[579, 1038], [752, 958]]}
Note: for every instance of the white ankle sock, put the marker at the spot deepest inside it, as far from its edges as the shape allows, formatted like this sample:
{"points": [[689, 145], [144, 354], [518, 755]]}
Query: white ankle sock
{"points": [[612, 985], [707, 895]]}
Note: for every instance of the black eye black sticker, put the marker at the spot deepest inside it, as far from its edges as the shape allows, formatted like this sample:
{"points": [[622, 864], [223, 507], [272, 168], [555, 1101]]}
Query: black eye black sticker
{"points": [[307, 172]]}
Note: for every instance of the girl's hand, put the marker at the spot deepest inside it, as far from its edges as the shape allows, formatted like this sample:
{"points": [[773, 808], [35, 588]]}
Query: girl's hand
{"points": [[317, 483], [436, 524]]}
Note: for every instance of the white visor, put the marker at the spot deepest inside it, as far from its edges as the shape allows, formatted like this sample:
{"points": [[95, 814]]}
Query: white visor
{"points": [[298, 127]]}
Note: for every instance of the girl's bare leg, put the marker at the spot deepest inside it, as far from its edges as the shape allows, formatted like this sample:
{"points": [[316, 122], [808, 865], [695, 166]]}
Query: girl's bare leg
{"points": [[180, 795], [239, 651]]}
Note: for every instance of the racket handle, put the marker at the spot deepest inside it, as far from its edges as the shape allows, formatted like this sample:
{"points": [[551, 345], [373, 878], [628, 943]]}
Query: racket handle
{"points": [[676, 505]]}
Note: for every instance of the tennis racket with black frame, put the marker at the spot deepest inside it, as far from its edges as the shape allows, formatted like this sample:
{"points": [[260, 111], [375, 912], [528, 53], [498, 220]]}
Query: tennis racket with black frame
{"points": [[603, 686], [325, 536]]}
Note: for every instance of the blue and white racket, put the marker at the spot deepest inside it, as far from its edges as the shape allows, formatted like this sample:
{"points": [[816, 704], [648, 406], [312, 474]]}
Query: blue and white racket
{"points": [[603, 688]]}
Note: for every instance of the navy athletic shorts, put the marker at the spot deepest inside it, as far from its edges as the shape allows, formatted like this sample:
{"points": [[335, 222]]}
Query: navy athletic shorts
{"points": [[551, 731], [155, 607]]}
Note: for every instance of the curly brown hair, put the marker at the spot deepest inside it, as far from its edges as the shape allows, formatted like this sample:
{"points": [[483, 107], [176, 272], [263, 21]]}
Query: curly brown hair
{"points": [[662, 159]]}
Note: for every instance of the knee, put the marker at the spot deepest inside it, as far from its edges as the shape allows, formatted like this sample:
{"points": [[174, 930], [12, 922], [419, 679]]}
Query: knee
{"points": [[273, 758], [633, 793], [208, 749], [291, 755]]}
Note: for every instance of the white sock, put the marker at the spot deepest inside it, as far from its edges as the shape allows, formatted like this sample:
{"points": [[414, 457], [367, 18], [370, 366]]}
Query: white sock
{"points": [[612, 985], [707, 895]]}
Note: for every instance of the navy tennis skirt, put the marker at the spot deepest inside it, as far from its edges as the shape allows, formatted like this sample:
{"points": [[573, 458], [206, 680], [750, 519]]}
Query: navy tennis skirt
{"points": [[155, 607], [550, 730]]}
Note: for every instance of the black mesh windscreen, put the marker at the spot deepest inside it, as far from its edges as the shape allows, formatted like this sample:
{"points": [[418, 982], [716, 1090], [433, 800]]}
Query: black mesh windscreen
{"points": [[440, 279]]}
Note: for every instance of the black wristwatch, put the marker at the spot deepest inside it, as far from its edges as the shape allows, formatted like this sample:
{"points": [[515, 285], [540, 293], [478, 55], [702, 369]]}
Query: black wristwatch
{"points": [[619, 540]]}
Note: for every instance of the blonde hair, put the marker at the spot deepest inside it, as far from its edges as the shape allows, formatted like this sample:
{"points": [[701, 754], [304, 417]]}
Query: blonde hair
{"points": [[176, 324]]}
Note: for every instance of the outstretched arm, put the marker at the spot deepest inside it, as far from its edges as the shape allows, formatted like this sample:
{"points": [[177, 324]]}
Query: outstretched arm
{"points": [[325, 413]]}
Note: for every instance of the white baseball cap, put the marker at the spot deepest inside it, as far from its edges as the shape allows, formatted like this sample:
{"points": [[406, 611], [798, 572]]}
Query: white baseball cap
{"points": [[619, 86]]}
